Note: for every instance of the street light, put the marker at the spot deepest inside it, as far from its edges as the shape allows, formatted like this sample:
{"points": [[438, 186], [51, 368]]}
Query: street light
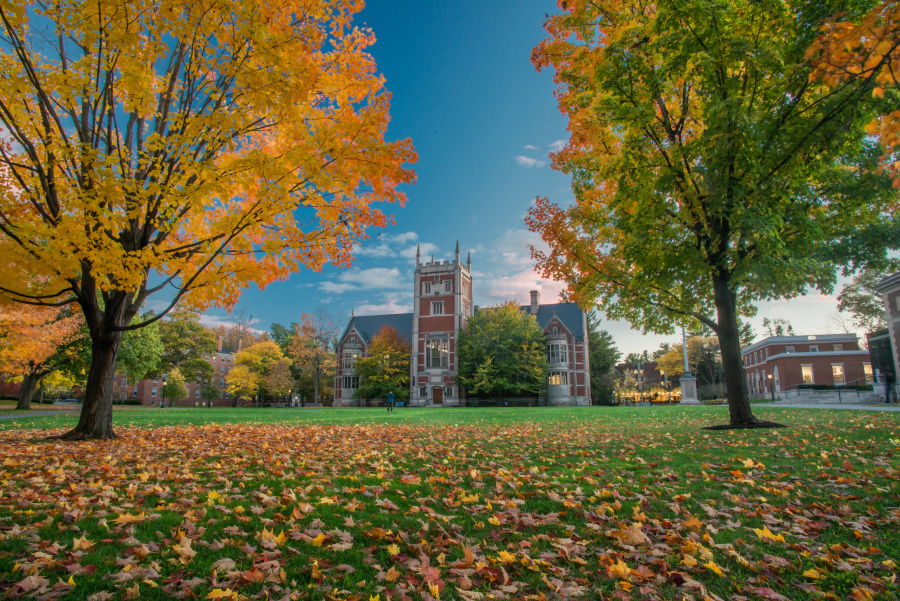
{"points": [[771, 387]]}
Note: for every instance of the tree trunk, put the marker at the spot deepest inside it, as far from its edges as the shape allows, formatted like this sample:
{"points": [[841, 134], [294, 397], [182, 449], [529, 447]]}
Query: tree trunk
{"points": [[730, 345], [29, 383], [316, 400], [95, 422], [42, 391]]}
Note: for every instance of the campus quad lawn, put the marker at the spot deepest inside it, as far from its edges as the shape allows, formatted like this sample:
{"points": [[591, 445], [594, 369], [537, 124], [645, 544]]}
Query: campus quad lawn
{"points": [[452, 504]]}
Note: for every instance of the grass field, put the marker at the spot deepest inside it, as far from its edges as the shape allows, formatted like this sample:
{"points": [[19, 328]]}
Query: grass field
{"points": [[452, 504]]}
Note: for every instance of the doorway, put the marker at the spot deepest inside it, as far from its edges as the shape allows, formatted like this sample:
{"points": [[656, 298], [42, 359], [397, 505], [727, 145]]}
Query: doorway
{"points": [[437, 395]]}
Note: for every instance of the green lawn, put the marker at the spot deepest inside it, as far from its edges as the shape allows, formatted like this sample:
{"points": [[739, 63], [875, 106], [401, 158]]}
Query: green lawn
{"points": [[502, 503]]}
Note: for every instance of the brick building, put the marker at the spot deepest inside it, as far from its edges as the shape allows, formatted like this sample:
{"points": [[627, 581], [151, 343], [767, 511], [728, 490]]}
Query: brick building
{"points": [[889, 289], [442, 305], [149, 391], [829, 359]]}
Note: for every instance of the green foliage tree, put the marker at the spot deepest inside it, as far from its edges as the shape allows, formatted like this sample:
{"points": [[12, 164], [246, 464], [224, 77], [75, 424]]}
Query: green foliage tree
{"points": [[210, 391], [186, 343], [603, 356], [709, 171], [174, 389], [385, 368], [501, 354], [777, 327], [260, 360], [859, 299], [141, 350]]}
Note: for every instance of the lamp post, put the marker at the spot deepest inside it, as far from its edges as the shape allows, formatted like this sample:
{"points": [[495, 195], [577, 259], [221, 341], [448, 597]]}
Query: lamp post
{"points": [[771, 387]]}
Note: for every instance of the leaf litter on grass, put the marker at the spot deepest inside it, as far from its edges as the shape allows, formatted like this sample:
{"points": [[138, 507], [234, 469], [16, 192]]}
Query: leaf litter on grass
{"points": [[551, 509]]}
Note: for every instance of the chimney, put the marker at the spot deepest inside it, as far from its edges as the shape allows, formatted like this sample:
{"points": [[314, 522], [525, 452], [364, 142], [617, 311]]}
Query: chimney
{"points": [[219, 345], [535, 301]]}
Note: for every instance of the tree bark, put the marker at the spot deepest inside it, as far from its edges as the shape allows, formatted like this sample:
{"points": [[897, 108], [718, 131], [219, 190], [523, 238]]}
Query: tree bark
{"points": [[26, 393], [739, 410], [104, 323]]}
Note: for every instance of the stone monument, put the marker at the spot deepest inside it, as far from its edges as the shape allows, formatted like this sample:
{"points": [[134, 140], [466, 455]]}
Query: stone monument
{"points": [[688, 382]]}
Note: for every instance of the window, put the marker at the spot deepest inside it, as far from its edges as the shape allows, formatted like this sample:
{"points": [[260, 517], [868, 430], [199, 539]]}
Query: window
{"points": [[556, 353], [807, 373], [867, 370], [448, 392], [756, 357], [437, 308], [448, 286], [838, 347], [350, 358], [223, 371], [788, 349], [221, 381], [423, 391], [427, 289], [156, 379], [437, 352], [558, 378], [153, 391], [351, 382], [197, 394], [837, 370], [134, 388], [813, 348], [164, 377], [465, 290]]}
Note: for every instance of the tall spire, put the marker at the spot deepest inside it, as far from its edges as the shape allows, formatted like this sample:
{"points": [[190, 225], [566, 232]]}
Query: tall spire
{"points": [[418, 254], [469, 260], [457, 251]]}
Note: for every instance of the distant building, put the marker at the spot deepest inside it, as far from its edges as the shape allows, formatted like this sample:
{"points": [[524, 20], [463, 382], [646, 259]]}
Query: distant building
{"points": [[149, 392], [830, 359], [442, 306]]}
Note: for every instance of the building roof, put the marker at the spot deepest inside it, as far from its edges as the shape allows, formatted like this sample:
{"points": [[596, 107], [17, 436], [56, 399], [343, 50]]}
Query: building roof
{"points": [[569, 314], [812, 338], [887, 283], [368, 325]]}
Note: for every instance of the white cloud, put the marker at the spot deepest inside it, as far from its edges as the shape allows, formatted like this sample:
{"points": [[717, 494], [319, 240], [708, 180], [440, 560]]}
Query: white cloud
{"points": [[365, 279], [529, 162], [558, 145], [390, 303], [214, 321], [530, 147], [383, 246], [427, 249]]}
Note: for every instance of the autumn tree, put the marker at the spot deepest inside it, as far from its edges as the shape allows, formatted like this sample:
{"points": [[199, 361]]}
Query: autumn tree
{"points": [[241, 383], [709, 171], [213, 144], [777, 327], [31, 340], [501, 353], [279, 382], [260, 360], [866, 50], [312, 349], [174, 389], [385, 368]]}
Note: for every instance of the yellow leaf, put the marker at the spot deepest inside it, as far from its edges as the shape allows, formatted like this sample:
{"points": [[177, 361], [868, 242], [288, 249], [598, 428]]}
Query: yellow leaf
{"points": [[619, 570], [316, 542], [507, 557], [434, 590], [714, 567], [494, 520], [218, 593], [70, 581], [889, 563], [765, 534], [688, 561], [392, 575], [393, 549], [812, 573]]}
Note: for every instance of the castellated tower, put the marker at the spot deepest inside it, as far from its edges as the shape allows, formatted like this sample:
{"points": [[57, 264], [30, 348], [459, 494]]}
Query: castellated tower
{"points": [[442, 307]]}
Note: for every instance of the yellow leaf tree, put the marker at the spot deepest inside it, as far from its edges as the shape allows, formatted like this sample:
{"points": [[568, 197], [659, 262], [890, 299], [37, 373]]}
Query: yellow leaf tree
{"points": [[30, 340], [215, 144], [869, 51]]}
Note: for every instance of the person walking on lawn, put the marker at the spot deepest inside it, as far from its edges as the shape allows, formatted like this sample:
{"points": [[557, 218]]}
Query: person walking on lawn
{"points": [[390, 401]]}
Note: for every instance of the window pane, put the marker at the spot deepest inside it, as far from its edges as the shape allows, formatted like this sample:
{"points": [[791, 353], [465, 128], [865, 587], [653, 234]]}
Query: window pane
{"points": [[807, 374], [837, 370]]}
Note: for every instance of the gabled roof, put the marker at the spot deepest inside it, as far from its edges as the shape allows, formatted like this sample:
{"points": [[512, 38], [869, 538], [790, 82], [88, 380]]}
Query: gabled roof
{"points": [[368, 325], [569, 314]]}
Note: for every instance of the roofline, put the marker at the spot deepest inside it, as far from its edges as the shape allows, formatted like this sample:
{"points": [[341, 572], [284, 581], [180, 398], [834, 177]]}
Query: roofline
{"points": [[888, 282], [820, 354], [801, 339]]}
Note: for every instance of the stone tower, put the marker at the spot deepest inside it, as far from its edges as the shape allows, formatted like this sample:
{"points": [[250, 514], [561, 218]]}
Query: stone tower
{"points": [[442, 306]]}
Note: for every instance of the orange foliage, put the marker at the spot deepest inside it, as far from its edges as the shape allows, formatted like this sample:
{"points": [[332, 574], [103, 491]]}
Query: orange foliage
{"points": [[30, 336], [868, 50]]}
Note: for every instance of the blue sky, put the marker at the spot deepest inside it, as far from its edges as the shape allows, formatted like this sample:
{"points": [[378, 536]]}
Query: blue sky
{"points": [[483, 122]]}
